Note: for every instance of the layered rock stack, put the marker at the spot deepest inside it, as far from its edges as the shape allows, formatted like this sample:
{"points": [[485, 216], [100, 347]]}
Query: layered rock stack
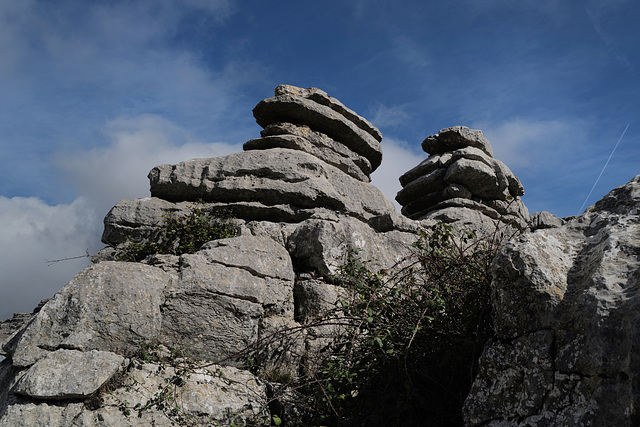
{"points": [[461, 183], [301, 199]]}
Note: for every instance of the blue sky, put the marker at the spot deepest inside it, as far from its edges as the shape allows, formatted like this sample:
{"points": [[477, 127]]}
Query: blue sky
{"points": [[93, 94]]}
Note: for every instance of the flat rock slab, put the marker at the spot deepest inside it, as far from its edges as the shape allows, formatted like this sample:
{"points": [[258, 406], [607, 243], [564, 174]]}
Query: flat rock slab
{"points": [[271, 177], [69, 374], [321, 97], [298, 110]]}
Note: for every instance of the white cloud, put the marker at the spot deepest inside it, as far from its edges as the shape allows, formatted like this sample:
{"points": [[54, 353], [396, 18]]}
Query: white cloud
{"points": [[134, 146], [384, 116], [32, 233], [398, 158], [523, 143]]}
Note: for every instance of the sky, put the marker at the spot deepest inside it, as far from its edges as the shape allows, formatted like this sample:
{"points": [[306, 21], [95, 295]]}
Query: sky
{"points": [[93, 94]]}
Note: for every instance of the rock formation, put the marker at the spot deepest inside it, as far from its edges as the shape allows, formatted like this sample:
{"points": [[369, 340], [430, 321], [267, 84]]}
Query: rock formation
{"points": [[566, 313], [462, 184], [109, 348], [301, 199]]}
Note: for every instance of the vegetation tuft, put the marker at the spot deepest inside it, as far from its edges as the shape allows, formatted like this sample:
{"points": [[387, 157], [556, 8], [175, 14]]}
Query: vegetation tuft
{"points": [[181, 234]]}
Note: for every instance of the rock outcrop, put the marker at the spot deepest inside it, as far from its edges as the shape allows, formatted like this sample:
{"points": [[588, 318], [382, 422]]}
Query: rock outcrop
{"points": [[462, 184], [566, 305], [301, 199], [209, 337]]}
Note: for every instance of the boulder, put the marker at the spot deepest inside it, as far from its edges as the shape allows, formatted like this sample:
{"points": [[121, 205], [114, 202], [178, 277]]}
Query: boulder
{"points": [[69, 374], [300, 137], [453, 138], [461, 176], [566, 313], [110, 306]]}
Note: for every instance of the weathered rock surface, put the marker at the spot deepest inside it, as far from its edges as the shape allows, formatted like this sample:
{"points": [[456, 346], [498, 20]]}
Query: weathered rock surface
{"points": [[109, 306], [324, 114], [566, 311], [272, 177], [302, 138], [69, 374], [462, 184]]}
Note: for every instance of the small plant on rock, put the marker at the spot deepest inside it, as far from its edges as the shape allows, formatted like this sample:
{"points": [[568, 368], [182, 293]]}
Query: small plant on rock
{"points": [[183, 234]]}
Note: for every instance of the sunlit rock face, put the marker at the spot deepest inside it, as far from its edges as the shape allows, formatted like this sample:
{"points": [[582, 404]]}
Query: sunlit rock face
{"points": [[460, 183], [301, 199], [566, 303]]}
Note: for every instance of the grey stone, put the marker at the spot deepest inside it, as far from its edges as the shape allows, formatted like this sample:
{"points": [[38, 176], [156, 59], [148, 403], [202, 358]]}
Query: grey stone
{"points": [[301, 137], [296, 109], [214, 393], [213, 326], [246, 267], [430, 183], [320, 245], [477, 177], [69, 374], [463, 174], [577, 283], [315, 298], [453, 138], [40, 415], [321, 97], [110, 306], [293, 142], [138, 219], [544, 219], [270, 177]]}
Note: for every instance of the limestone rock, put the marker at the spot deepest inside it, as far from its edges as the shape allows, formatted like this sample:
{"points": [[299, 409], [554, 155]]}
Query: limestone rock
{"points": [[545, 220], [214, 393], [293, 106], [460, 177], [320, 245], [456, 137], [109, 306], [321, 97], [576, 284], [299, 137], [138, 219], [69, 374], [270, 177], [41, 415]]}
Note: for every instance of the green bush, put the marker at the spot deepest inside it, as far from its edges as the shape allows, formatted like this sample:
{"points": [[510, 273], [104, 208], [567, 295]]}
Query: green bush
{"points": [[410, 352], [181, 234]]}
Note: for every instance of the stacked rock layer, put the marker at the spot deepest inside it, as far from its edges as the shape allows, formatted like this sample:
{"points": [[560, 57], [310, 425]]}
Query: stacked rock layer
{"points": [[301, 199], [461, 183], [314, 157]]}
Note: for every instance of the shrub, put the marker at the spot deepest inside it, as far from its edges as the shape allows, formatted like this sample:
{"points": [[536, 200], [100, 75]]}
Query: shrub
{"points": [[181, 234], [410, 352]]}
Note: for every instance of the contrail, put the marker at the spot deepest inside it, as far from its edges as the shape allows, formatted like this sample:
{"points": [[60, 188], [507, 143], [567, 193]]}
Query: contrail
{"points": [[602, 171]]}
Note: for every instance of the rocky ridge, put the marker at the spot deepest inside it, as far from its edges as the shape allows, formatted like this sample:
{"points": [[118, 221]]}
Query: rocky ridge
{"points": [[563, 293]]}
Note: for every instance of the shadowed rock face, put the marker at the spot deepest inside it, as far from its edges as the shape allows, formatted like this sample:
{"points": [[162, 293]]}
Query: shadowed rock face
{"points": [[566, 303], [461, 183]]}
